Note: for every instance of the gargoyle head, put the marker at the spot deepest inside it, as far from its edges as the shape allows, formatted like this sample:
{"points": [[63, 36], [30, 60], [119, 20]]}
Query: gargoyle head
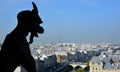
{"points": [[31, 21]]}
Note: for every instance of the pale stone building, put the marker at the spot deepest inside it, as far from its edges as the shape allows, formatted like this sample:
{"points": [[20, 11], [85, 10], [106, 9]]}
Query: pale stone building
{"points": [[96, 65], [110, 63]]}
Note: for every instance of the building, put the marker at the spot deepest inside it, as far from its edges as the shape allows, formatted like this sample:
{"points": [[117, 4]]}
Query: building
{"points": [[106, 63], [96, 65], [61, 56], [46, 62]]}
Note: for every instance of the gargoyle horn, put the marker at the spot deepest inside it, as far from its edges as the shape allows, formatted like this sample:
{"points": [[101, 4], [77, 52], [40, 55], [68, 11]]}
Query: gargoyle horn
{"points": [[35, 10]]}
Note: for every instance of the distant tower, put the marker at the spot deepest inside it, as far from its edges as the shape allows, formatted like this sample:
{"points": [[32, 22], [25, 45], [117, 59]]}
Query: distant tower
{"points": [[60, 38]]}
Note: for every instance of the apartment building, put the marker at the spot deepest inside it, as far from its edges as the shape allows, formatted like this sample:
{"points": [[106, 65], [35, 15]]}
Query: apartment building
{"points": [[109, 63]]}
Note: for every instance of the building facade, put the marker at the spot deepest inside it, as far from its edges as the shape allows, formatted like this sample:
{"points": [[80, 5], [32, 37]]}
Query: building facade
{"points": [[109, 63]]}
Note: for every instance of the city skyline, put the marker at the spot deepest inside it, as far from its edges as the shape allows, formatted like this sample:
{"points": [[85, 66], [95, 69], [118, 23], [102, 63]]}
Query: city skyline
{"points": [[67, 20]]}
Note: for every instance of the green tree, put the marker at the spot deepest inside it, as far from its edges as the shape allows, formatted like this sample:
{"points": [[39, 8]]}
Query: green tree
{"points": [[80, 70], [87, 62], [88, 67]]}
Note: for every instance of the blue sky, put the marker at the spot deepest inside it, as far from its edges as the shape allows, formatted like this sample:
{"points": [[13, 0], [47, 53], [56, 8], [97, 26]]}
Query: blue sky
{"points": [[67, 20]]}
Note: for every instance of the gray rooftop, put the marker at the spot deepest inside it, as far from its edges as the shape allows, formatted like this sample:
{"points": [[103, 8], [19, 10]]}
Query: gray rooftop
{"points": [[96, 60], [112, 61]]}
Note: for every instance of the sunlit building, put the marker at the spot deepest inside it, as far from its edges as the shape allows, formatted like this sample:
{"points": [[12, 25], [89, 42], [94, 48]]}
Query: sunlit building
{"points": [[110, 63]]}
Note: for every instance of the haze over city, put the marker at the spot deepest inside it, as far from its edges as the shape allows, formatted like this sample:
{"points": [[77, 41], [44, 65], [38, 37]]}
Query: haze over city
{"points": [[67, 20]]}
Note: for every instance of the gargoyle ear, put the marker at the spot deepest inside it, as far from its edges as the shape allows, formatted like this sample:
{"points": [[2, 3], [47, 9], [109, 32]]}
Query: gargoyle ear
{"points": [[35, 10]]}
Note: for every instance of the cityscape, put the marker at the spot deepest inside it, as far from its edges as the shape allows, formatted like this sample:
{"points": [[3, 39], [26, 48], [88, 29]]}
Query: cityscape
{"points": [[75, 57], [79, 35]]}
